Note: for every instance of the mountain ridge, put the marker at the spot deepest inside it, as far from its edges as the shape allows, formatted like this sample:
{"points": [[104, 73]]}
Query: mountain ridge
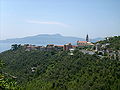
{"points": [[46, 39]]}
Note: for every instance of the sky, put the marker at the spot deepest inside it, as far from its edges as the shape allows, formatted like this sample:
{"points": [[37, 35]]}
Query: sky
{"points": [[97, 18]]}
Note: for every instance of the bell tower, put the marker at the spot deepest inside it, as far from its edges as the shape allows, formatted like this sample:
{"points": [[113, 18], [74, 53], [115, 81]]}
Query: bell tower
{"points": [[87, 38]]}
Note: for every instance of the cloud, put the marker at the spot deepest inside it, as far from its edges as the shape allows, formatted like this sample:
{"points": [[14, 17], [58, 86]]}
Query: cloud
{"points": [[48, 22]]}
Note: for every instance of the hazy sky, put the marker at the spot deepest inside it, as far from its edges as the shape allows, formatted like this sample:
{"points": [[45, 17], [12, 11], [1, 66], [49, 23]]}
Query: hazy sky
{"points": [[98, 18]]}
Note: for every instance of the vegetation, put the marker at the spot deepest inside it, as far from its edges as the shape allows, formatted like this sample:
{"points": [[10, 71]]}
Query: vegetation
{"points": [[114, 42], [6, 82], [15, 46], [79, 72], [52, 70]]}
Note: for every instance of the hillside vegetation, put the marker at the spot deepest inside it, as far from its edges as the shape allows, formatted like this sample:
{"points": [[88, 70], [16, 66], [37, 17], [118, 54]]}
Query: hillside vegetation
{"points": [[114, 42], [52, 70]]}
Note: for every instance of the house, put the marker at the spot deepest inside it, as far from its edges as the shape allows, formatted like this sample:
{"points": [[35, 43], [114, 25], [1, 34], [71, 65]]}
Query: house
{"points": [[74, 46], [71, 51], [42, 48], [84, 44], [31, 47], [59, 47], [119, 55], [67, 46], [50, 47], [98, 47], [114, 55]]}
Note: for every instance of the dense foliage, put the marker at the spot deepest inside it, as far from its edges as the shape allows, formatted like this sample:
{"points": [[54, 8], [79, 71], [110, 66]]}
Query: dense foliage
{"points": [[79, 72], [114, 42], [52, 70], [6, 82], [62, 71]]}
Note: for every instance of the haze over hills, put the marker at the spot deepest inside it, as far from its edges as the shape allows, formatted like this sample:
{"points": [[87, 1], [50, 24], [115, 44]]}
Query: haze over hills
{"points": [[44, 39]]}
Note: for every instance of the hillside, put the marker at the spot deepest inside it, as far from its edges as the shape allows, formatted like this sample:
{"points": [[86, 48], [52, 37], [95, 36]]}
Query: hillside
{"points": [[52, 70], [82, 72], [113, 41]]}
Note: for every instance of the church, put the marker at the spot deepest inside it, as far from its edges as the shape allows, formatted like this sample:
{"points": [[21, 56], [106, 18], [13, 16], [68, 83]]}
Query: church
{"points": [[86, 43]]}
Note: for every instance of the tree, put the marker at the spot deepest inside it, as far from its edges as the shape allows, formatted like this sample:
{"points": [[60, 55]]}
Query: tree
{"points": [[15, 46]]}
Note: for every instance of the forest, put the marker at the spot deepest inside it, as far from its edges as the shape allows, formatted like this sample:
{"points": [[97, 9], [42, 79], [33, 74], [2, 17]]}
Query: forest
{"points": [[52, 70]]}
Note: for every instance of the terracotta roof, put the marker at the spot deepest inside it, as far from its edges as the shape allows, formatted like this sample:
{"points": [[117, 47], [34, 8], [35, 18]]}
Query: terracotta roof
{"points": [[59, 45], [74, 46], [30, 46], [81, 41], [90, 44], [50, 44]]}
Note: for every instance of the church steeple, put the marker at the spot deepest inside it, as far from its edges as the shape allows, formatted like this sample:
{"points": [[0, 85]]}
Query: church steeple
{"points": [[87, 38]]}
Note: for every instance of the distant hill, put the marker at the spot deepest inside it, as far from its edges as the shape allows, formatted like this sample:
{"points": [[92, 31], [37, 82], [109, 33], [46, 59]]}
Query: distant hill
{"points": [[47, 39]]}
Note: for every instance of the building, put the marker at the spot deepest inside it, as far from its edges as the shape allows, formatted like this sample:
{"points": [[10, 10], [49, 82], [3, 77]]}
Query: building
{"points": [[42, 48], [59, 47], [87, 38], [71, 51], [50, 47], [30, 47], [67, 46], [85, 43], [74, 46], [82, 43]]}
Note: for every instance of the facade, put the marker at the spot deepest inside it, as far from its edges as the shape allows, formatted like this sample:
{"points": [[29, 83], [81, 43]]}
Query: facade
{"points": [[50, 47], [84, 44], [31, 47], [71, 51], [42, 48], [59, 47], [98, 47], [67, 46]]}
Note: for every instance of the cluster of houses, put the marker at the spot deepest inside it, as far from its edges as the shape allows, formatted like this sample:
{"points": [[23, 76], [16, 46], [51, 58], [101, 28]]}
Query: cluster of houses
{"points": [[65, 47], [86, 47], [103, 51]]}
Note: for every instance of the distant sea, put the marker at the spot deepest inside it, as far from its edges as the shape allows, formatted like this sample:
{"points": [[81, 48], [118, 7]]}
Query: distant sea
{"points": [[7, 46]]}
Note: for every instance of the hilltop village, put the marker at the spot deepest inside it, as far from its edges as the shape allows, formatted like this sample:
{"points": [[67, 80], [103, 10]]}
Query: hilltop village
{"points": [[50, 47], [66, 47], [87, 47], [91, 65]]}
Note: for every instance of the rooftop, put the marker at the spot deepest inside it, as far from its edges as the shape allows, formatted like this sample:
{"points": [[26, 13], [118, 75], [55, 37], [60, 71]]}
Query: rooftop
{"points": [[81, 41]]}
